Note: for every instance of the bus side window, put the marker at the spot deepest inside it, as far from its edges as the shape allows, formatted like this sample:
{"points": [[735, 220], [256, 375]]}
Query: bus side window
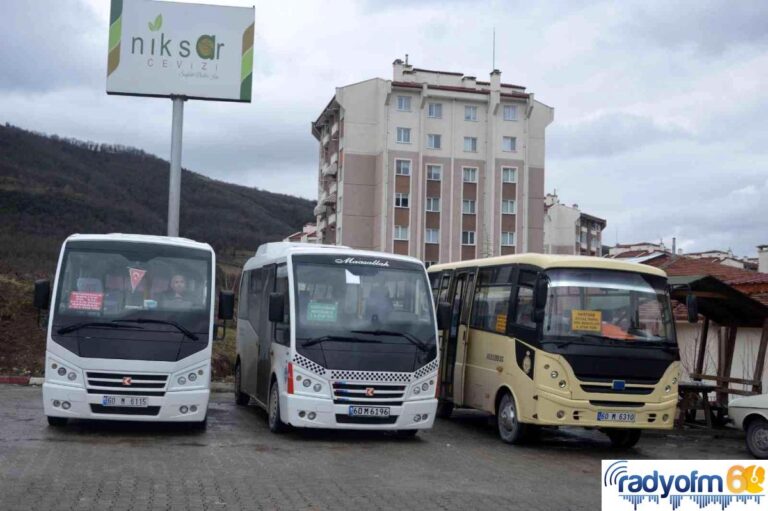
{"points": [[283, 329], [434, 284], [445, 283], [492, 292], [242, 306], [524, 299], [255, 288]]}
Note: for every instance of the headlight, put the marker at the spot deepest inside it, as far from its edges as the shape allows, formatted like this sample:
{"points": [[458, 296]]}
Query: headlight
{"points": [[307, 382], [554, 374], [317, 387], [181, 380], [668, 389], [72, 376], [425, 386], [416, 390], [191, 376], [562, 384], [62, 371]]}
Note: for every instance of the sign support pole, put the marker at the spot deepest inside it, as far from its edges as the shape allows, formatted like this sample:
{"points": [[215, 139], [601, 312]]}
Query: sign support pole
{"points": [[174, 184]]}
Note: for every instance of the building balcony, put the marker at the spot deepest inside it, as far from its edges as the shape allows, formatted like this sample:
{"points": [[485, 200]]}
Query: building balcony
{"points": [[333, 188], [330, 170], [328, 198], [321, 210], [326, 138], [335, 128], [334, 158], [332, 219], [322, 224]]}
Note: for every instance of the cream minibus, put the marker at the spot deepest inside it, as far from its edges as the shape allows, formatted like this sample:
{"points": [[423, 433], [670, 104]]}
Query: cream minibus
{"points": [[547, 340]]}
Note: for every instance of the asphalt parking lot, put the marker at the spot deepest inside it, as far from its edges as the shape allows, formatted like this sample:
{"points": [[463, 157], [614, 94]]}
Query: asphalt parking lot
{"points": [[238, 464]]}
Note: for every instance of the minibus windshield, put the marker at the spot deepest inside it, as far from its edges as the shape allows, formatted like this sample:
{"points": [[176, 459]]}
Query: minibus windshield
{"points": [[135, 286], [344, 299], [592, 305]]}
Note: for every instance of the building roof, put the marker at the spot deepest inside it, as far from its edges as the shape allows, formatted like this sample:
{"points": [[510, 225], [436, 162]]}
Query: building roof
{"points": [[720, 302], [688, 266], [554, 261], [454, 88]]}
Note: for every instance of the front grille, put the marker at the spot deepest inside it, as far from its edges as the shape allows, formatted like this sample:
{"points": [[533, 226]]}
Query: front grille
{"points": [[346, 419], [358, 393], [601, 389], [618, 404], [124, 410], [141, 384]]}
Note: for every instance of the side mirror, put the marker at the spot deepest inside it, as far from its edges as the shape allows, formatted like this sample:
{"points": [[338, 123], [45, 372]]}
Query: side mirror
{"points": [[276, 307], [226, 305], [42, 299], [443, 315], [692, 304]]}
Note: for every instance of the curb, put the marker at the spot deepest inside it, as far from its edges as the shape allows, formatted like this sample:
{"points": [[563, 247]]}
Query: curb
{"points": [[15, 380]]}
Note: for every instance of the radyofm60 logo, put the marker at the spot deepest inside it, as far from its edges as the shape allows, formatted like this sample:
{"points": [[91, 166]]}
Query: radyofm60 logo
{"points": [[683, 484]]}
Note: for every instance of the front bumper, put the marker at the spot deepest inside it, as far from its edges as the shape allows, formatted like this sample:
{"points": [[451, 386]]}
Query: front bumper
{"points": [[161, 408], [326, 414], [584, 413]]}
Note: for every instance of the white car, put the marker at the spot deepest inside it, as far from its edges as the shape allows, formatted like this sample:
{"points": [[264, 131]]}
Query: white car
{"points": [[751, 414]]}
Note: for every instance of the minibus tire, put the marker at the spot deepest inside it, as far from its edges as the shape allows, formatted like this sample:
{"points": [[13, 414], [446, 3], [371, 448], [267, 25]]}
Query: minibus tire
{"points": [[757, 433], [275, 423], [444, 409], [623, 438], [241, 398], [511, 430], [57, 422]]}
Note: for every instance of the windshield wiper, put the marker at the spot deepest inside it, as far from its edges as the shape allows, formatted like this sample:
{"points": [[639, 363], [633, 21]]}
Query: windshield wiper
{"points": [[341, 338], [86, 324], [160, 322], [412, 339]]}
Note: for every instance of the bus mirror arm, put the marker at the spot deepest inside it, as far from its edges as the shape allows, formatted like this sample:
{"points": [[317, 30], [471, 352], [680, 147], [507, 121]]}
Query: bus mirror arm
{"points": [[443, 315]]}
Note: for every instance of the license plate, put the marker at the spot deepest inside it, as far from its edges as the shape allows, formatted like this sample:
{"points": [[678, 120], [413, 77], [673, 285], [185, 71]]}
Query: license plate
{"points": [[127, 401], [369, 411], [616, 416]]}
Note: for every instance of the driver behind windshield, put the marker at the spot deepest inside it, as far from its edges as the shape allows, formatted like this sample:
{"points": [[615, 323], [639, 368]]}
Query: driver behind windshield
{"points": [[177, 296]]}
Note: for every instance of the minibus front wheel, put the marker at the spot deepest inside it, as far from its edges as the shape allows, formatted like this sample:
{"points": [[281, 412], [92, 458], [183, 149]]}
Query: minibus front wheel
{"points": [[623, 438], [276, 424], [510, 429]]}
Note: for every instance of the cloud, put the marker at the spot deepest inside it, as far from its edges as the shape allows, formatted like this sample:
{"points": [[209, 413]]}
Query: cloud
{"points": [[609, 135], [708, 27]]}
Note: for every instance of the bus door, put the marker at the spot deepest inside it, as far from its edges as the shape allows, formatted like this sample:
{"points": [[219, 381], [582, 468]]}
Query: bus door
{"points": [[265, 331], [453, 383]]}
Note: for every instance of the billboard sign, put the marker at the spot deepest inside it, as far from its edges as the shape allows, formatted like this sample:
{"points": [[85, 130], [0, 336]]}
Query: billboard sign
{"points": [[165, 49]]}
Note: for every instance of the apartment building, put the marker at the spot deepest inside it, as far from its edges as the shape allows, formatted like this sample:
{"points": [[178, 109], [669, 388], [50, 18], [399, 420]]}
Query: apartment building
{"points": [[568, 230], [432, 164]]}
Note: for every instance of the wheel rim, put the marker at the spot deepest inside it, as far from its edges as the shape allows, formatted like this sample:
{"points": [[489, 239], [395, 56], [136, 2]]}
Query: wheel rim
{"points": [[761, 438], [508, 415]]}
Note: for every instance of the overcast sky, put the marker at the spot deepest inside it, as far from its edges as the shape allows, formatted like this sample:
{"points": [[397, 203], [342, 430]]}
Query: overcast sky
{"points": [[661, 108]]}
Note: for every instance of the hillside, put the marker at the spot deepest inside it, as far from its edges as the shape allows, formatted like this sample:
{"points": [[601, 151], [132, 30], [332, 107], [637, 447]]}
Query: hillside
{"points": [[52, 187]]}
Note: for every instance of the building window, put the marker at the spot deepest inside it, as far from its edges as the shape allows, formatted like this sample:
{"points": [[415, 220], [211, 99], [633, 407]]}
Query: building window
{"points": [[433, 236], [509, 144], [401, 232], [434, 172], [404, 103], [470, 113], [470, 175], [403, 135], [433, 141], [435, 110], [470, 144], [433, 204], [403, 167], [507, 239], [508, 207], [401, 200], [468, 238], [510, 112], [508, 175], [468, 207]]}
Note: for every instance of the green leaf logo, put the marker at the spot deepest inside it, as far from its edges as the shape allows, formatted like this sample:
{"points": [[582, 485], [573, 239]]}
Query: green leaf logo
{"points": [[155, 26]]}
